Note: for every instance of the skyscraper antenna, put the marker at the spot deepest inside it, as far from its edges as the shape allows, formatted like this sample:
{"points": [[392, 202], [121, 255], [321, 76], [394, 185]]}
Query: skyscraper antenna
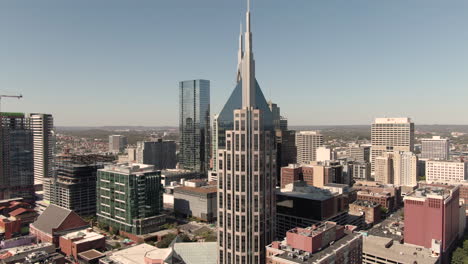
{"points": [[248, 5]]}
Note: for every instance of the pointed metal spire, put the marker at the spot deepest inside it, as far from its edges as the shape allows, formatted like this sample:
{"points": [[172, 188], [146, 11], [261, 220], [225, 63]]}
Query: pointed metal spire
{"points": [[248, 66], [240, 54]]}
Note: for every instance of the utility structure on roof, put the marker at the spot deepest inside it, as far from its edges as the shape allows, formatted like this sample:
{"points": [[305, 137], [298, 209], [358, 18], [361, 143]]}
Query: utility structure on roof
{"points": [[8, 96]]}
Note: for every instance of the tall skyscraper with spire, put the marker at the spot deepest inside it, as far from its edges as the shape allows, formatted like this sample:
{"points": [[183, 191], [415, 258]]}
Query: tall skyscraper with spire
{"points": [[246, 166]]}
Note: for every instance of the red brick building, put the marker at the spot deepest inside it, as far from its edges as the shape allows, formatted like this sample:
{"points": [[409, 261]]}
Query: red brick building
{"points": [[54, 222], [432, 217], [74, 243], [371, 211], [325, 243], [290, 174]]}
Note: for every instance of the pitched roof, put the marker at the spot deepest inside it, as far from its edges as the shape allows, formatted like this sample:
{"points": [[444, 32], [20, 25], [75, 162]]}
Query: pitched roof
{"points": [[20, 211], [52, 218]]}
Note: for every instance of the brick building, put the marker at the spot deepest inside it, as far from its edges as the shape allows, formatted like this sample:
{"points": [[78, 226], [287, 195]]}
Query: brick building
{"points": [[54, 222], [389, 196], [325, 243], [76, 242], [370, 210], [432, 217]]}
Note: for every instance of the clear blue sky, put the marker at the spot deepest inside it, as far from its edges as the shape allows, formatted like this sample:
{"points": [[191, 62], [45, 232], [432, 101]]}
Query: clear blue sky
{"points": [[112, 62]]}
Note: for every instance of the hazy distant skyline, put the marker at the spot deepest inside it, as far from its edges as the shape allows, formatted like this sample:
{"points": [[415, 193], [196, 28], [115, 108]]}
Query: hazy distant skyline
{"points": [[113, 63]]}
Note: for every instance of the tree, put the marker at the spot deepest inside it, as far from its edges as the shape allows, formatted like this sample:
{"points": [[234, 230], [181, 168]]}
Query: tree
{"points": [[166, 241], [458, 256]]}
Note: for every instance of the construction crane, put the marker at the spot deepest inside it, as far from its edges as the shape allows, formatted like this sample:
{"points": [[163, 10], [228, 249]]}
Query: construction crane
{"points": [[10, 96]]}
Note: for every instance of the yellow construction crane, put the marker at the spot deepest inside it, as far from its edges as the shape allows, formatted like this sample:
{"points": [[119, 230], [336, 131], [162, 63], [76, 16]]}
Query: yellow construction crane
{"points": [[11, 96]]}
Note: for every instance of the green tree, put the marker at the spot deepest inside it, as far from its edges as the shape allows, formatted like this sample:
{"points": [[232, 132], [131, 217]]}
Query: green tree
{"points": [[166, 241], [458, 256]]}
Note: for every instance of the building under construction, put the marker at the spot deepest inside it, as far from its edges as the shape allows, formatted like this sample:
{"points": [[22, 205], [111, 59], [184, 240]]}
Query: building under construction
{"points": [[73, 185]]}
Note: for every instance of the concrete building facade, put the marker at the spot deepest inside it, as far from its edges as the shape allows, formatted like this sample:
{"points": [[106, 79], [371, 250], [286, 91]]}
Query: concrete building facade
{"points": [[199, 201], [307, 143], [391, 134], [117, 143], [42, 126], [446, 171], [436, 148]]}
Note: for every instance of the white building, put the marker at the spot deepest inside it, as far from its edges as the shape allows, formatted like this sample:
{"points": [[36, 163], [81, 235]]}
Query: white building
{"points": [[307, 143], [435, 148], [42, 126], [405, 171], [324, 154], [446, 171], [391, 134]]}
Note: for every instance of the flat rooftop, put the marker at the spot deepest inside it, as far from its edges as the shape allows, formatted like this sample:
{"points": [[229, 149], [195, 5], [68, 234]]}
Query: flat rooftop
{"points": [[306, 191], [392, 227], [137, 254], [324, 253], [387, 248], [431, 191], [83, 236], [129, 168]]}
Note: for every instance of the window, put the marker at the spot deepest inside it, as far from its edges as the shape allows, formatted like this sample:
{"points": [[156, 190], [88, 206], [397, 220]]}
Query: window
{"points": [[237, 162], [220, 219], [237, 223], [237, 182], [256, 142], [243, 142], [256, 162], [243, 183], [237, 142], [237, 203], [243, 203], [243, 163], [228, 162], [228, 201], [220, 198]]}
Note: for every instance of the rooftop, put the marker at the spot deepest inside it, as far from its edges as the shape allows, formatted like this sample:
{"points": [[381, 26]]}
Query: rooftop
{"points": [[392, 120], [365, 203], [302, 190], [129, 168], [392, 227], [387, 248], [431, 191], [292, 255], [83, 236], [197, 253], [202, 189], [91, 254], [137, 254]]}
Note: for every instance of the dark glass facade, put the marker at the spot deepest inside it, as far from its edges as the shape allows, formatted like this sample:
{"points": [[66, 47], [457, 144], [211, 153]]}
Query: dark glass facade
{"points": [[16, 154], [194, 124]]}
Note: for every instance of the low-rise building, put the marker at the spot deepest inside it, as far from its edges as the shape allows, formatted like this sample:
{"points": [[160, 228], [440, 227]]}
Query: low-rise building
{"points": [[387, 251], [54, 222], [322, 204], [74, 243], [370, 210], [198, 199], [325, 243], [138, 254], [20, 254]]}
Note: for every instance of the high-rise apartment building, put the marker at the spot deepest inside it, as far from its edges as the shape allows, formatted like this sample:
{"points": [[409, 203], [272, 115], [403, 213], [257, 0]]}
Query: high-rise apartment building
{"points": [[307, 143], [432, 217], [405, 168], [16, 157], [446, 171], [246, 167], [42, 126], [435, 148], [360, 171], [117, 143], [391, 134], [160, 153], [194, 124], [383, 166], [129, 198]]}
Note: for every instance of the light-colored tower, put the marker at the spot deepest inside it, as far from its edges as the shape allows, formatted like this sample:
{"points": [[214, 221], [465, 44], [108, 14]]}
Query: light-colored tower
{"points": [[405, 168], [391, 134], [246, 170], [307, 143], [42, 126], [384, 168], [435, 148]]}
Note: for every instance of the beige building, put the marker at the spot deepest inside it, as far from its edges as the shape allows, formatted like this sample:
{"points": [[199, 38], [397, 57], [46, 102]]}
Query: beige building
{"points": [[405, 171], [446, 171], [397, 167], [391, 134], [383, 168], [307, 143]]}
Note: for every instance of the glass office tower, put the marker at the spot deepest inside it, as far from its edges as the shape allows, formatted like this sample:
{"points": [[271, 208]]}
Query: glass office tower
{"points": [[194, 124]]}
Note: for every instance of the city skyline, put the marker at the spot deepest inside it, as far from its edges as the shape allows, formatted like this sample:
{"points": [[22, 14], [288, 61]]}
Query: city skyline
{"points": [[137, 53]]}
